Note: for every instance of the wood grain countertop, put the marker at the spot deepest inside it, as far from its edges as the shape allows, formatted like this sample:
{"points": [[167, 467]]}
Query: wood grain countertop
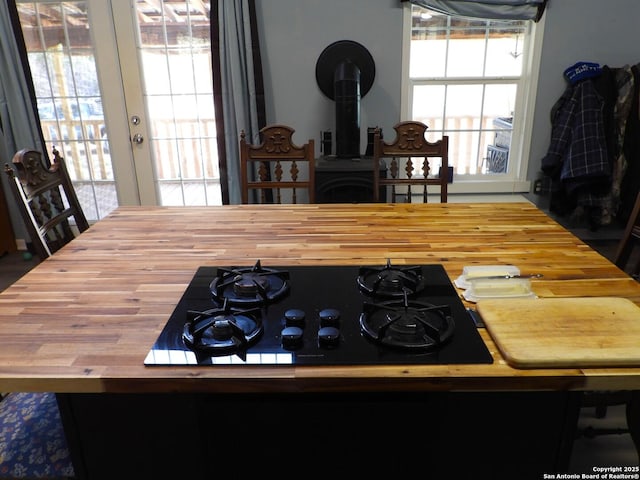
{"points": [[84, 319]]}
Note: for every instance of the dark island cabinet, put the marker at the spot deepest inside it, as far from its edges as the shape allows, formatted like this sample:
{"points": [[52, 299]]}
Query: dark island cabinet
{"points": [[502, 435]]}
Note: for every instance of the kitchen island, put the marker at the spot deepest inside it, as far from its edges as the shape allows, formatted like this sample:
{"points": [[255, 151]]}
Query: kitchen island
{"points": [[82, 322]]}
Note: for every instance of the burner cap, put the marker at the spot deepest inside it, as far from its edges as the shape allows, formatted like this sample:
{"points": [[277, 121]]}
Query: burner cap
{"points": [[250, 284]]}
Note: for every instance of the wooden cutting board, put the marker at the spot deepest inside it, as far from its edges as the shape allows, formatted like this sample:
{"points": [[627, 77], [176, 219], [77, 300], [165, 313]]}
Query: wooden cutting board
{"points": [[564, 332]]}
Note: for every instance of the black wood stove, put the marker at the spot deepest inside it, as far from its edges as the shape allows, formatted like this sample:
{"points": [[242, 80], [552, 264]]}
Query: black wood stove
{"points": [[319, 315]]}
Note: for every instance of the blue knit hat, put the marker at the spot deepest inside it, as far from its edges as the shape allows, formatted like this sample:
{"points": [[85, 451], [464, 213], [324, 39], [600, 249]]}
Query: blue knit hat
{"points": [[581, 71]]}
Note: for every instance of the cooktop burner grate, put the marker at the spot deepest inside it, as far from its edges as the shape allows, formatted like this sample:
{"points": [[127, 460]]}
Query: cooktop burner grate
{"points": [[408, 325], [222, 331], [250, 286], [390, 280]]}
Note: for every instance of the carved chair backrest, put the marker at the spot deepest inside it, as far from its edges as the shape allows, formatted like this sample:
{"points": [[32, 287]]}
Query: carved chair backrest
{"points": [[46, 199], [407, 162], [276, 170]]}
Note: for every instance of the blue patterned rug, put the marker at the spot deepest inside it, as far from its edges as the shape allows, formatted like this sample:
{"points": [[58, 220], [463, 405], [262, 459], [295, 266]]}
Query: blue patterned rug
{"points": [[32, 441]]}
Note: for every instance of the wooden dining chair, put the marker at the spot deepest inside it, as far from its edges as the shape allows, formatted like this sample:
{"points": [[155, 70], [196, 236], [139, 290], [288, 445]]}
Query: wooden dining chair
{"points": [[276, 170], [47, 201], [408, 163]]}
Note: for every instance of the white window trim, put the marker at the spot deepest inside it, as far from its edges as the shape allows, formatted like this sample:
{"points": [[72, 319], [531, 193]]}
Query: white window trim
{"points": [[516, 181]]}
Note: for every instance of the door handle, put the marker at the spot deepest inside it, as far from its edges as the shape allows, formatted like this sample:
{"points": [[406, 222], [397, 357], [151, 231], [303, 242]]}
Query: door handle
{"points": [[137, 138]]}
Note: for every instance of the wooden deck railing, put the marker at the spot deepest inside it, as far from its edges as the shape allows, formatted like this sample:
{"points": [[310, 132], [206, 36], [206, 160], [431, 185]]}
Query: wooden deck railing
{"points": [[182, 149], [187, 149]]}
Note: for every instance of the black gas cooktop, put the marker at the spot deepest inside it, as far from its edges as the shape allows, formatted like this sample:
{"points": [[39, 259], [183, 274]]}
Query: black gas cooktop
{"points": [[319, 315]]}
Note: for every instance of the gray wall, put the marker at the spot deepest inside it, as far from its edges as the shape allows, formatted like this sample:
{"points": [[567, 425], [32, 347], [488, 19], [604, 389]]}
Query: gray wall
{"points": [[293, 33]]}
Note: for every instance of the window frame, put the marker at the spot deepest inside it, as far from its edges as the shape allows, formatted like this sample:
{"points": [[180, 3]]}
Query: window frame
{"points": [[515, 180]]}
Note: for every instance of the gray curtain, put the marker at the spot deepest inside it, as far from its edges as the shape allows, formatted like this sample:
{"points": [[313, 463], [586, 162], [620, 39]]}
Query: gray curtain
{"points": [[19, 126], [18, 122], [238, 86], [488, 9]]}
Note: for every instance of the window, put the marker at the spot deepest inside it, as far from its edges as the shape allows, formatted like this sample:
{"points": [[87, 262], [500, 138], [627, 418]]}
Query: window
{"points": [[471, 79], [61, 58]]}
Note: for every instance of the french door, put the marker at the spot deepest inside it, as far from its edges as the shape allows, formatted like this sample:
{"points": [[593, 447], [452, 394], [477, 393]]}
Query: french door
{"points": [[124, 91]]}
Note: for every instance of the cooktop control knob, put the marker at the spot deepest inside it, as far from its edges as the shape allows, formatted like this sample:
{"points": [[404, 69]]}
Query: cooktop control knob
{"points": [[329, 317], [291, 338], [294, 317], [328, 337]]}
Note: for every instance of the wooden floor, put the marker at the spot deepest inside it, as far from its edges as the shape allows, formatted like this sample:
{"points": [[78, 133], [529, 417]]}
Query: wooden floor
{"points": [[615, 449]]}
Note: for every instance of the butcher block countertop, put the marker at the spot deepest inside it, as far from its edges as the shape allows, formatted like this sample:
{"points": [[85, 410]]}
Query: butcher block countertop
{"points": [[84, 319]]}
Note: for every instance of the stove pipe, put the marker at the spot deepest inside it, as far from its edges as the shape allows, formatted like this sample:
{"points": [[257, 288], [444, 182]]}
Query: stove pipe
{"points": [[347, 97]]}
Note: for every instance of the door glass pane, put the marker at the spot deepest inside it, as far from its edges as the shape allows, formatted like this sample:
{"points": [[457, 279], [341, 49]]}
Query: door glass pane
{"points": [[175, 50], [61, 58]]}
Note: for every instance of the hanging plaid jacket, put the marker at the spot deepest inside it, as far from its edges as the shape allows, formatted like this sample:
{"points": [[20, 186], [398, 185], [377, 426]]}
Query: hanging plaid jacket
{"points": [[578, 153], [578, 160]]}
